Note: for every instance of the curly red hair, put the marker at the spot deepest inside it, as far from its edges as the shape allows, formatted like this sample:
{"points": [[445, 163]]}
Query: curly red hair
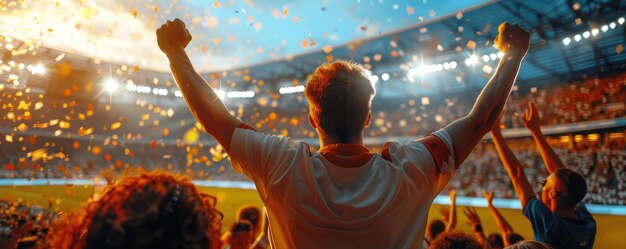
{"points": [[149, 210]]}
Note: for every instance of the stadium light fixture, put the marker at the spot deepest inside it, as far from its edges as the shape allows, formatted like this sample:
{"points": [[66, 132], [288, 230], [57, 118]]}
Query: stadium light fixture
{"points": [[595, 32], [111, 85], [493, 56], [294, 89], [612, 25], [577, 38], [453, 64], [240, 94], [566, 41], [604, 28], [620, 20], [486, 58], [473, 59], [385, 76], [586, 34]]}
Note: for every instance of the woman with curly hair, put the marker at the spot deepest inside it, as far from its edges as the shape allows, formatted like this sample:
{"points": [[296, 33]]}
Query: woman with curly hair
{"points": [[150, 210]]}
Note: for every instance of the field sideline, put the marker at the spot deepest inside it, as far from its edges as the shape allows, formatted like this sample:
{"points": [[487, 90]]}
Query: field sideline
{"points": [[71, 197]]}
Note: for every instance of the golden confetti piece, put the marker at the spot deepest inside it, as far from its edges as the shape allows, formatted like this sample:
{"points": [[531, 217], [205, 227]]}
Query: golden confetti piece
{"points": [[64, 125], [115, 126], [285, 11], [410, 10], [22, 127], [58, 133], [191, 136], [619, 49], [37, 155], [459, 15], [327, 49], [170, 112], [145, 117], [8, 138], [96, 150], [471, 44], [296, 19], [38, 105], [60, 57], [166, 132], [85, 132]]}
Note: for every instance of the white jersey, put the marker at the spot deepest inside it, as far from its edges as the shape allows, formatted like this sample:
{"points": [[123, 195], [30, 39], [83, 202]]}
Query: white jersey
{"points": [[343, 196]]}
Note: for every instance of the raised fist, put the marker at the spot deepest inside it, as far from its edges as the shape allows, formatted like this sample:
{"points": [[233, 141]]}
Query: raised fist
{"points": [[173, 35], [512, 37], [531, 117]]}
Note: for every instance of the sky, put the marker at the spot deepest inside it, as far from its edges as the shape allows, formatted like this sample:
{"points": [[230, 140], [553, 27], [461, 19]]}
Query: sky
{"points": [[227, 34]]}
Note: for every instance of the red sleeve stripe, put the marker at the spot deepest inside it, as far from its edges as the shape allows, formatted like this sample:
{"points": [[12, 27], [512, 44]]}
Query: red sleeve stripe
{"points": [[385, 152], [437, 148], [245, 126]]}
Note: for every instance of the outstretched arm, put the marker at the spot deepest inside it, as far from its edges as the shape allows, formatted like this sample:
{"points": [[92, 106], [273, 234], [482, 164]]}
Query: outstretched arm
{"points": [[452, 215], [473, 220], [203, 102], [503, 225], [466, 132], [533, 122], [513, 167]]}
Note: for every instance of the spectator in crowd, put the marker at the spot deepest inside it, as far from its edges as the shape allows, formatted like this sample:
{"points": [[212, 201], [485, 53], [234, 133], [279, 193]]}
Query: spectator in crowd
{"points": [[529, 244], [343, 195], [149, 210], [437, 226], [510, 237], [559, 218], [240, 235], [255, 217], [455, 240]]}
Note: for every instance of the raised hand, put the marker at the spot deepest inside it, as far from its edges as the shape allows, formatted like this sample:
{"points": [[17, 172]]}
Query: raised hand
{"points": [[488, 197], [531, 118], [472, 216], [512, 37], [173, 35]]}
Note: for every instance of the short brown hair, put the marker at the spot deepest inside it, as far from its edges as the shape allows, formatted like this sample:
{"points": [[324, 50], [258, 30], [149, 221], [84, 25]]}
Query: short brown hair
{"points": [[575, 186], [340, 94]]}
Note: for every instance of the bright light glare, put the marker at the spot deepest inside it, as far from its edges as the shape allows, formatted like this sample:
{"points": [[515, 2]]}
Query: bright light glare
{"points": [[453, 64], [39, 69], [471, 60], [594, 32], [566, 41], [612, 25], [620, 20], [586, 34], [111, 84], [385, 76], [604, 28], [577, 37], [374, 78], [220, 94]]}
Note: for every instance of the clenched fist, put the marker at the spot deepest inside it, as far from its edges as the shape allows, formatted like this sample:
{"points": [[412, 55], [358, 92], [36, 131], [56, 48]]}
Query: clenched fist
{"points": [[512, 37], [173, 35]]}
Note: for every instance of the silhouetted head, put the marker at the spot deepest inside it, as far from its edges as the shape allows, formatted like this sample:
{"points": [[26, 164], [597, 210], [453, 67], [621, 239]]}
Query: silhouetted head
{"points": [[563, 189]]}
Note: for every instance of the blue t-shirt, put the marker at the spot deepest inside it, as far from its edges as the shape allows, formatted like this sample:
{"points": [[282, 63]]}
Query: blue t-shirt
{"points": [[558, 231]]}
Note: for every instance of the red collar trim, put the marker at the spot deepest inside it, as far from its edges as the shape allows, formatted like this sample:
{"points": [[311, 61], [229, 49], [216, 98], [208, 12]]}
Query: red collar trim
{"points": [[346, 155]]}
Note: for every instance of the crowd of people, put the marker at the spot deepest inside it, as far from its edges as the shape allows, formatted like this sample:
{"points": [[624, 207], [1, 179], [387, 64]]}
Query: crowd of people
{"points": [[343, 195]]}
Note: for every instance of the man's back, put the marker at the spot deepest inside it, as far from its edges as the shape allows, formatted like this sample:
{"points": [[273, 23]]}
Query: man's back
{"points": [[342, 197]]}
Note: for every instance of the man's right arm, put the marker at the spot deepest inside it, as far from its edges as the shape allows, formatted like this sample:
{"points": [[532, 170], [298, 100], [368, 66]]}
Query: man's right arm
{"points": [[513, 167]]}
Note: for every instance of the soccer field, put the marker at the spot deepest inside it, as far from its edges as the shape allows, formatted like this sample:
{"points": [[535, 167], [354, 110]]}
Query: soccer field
{"points": [[71, 197]]}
